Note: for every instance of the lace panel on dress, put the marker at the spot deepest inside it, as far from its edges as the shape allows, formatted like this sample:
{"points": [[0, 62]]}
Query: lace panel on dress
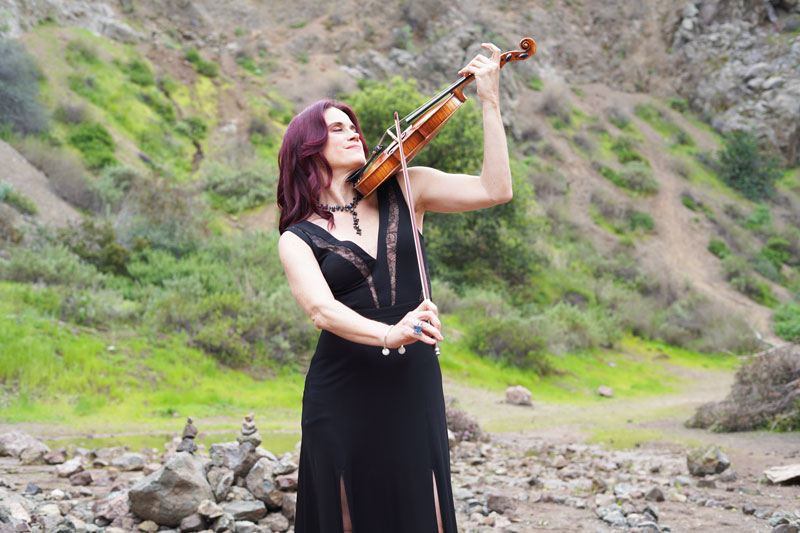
{"points": [[391, 241], [348, 254]]}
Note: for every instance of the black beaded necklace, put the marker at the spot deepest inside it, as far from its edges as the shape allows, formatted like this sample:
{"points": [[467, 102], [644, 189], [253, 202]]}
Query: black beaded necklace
{"points": [[350, 208]]}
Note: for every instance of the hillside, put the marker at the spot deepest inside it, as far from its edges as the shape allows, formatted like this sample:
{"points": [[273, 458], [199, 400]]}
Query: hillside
{"points": [[163, 121]]}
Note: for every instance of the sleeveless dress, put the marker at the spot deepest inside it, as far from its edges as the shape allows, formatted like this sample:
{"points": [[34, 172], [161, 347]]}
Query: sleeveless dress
{"points": [[376, 422]]}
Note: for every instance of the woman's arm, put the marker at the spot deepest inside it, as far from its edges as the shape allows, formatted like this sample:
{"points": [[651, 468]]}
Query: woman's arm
{"points": [[313, 294], [452, 193]]}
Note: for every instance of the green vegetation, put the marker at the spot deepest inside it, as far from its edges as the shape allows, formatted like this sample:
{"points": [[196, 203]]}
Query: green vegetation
{"points": [[20, 109], [208, 69], [634, 176], [719, 248], [536, 83], [95, 143], [747, 168], [787, 321], [17, 200], [663, 124], [248, 63]]}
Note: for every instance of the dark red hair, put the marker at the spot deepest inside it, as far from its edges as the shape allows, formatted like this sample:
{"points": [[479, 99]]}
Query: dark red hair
{"points": [[304, 171]]}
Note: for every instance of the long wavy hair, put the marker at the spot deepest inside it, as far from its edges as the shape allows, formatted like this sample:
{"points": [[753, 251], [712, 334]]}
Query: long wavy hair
{"points": [[304, 171]]}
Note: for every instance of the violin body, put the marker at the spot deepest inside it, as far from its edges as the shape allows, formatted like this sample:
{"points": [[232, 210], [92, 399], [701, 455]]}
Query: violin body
{"points": [[425, 124]]}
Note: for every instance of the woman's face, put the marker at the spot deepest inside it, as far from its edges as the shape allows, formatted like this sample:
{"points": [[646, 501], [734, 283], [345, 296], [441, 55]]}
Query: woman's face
{"points": [[343, 149]]}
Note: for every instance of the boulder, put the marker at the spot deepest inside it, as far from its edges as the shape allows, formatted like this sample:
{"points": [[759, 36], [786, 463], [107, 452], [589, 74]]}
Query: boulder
{"points": [[287, 482], [245, 510], [221, 481], [114, 506], [23, 446], [275, 522], [605, 392], [73, 466], [706, 461], [172, 493], [289, 504], [129, 462], [260, 483], [518, 395]]}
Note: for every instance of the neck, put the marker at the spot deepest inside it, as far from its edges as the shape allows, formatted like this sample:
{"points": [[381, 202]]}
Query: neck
{"points": [[340, 192]]}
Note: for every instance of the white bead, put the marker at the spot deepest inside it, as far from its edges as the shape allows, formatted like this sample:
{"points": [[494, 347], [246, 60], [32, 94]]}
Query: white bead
{"points": [[401, 350], [385, 351]]}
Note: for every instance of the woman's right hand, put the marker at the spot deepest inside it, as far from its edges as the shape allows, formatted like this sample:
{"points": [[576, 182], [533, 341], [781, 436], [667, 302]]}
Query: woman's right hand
{"points": [[427, 316]]}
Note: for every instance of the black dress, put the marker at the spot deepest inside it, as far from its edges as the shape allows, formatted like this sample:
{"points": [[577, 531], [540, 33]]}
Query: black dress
{"points": [[377, 422]]}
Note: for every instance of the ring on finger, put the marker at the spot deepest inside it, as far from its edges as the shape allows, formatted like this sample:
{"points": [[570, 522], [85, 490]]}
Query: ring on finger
{"points": [[418, 328]]}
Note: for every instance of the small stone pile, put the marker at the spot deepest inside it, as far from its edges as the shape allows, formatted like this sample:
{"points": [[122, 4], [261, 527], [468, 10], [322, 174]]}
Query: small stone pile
{"points": [[240, 488]]}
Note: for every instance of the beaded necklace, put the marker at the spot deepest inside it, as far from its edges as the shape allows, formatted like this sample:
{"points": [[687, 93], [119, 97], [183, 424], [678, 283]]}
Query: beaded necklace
{"points": [[350, 208]]}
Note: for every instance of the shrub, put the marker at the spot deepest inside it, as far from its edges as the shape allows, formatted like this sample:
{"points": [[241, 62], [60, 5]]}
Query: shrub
{"points": [[719, 248], [51, 265], [68, 113], [618, 117], [162, 215], [63, 169], [206, 68], [237, 189], [776, 251], [18, 201], [688, 201], [193, 127], [638, 220], [623, 147], [746, 167], [679, 105], [787, 321], [638, 177], [96, 243], [95, 308], [20, 108], [79, 50], [95, 143], [765, 395], [111, 186], [463, 426], [156, 101], [509, 339], [140, 74]]}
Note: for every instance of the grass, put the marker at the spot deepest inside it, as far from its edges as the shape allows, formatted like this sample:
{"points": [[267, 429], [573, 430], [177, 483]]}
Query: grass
{"points": [[85, 378], [110, 381]]}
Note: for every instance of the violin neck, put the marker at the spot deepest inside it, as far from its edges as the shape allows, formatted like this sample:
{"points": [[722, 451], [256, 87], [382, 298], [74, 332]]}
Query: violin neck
{"points": [[418, 112]]}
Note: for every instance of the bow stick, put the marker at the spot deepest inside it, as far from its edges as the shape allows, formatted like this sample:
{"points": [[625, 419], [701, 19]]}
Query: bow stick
{"points": [[423, 274]]}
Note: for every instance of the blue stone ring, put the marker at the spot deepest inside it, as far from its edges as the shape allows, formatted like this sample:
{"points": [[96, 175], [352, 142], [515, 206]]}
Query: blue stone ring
{"points": [[418, 328]]}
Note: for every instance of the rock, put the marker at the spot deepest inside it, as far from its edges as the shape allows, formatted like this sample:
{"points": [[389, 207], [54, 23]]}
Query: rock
{"points": [[148, 526], [73, 466], [224, 523], [782, 474], [221, 481], [81, 479], [655, 495], [748, 509], [249, 433], [285, 465], [129, 462], [245, 510], [275, 522], [289, 504], [518, 395], [259, 482], [172, 493], [32, 489], [22, 446], [706, 461], [245, 526], [786, 528], [55, 457], [114, 505], [209, 509], [193, 522], [605, 392], [706, 484], [499, 503], [559, 462], [287, 482]]}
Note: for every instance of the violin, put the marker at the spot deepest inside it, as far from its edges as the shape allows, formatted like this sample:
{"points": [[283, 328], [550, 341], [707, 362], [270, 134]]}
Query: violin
{"points": [[423, 125]]}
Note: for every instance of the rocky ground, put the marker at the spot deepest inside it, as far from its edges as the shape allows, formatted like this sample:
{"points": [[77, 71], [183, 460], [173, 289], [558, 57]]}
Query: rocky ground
{"points": [[513, 482]]}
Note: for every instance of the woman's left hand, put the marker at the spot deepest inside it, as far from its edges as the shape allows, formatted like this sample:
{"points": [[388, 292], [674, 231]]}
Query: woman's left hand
{"points": [[487, 74]]}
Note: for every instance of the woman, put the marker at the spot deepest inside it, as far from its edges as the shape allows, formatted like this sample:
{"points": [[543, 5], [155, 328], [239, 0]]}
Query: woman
{"points": [[374, 455]]}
